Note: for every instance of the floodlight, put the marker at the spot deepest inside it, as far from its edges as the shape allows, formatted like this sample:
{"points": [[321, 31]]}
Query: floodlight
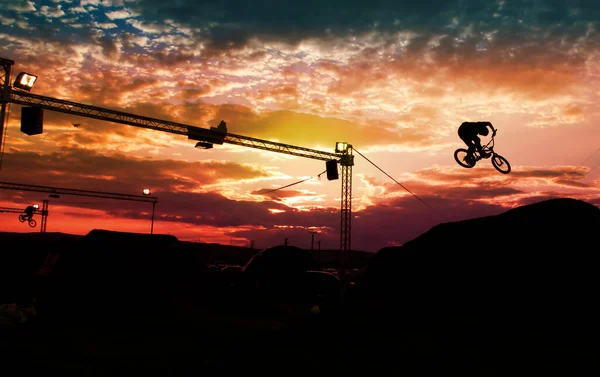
{"points": [[341, 147], [146, 191], [36, 206], [25, 81]]}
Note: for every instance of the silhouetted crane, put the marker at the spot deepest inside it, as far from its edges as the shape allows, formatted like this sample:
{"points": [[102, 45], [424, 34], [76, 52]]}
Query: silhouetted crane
{"points": [[205, 137]]}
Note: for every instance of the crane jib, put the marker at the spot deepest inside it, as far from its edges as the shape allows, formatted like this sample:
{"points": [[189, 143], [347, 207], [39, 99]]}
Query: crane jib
{"points": [[205, 137]]}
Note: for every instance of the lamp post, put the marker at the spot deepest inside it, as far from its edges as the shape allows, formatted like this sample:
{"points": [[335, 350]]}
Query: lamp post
{"points": [[152, 225], [312, 239], [146, 191]]}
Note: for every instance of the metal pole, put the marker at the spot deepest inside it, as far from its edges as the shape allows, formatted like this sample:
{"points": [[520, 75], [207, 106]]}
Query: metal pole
{"points": [[4, 98], [3, 113], [152, 226]]}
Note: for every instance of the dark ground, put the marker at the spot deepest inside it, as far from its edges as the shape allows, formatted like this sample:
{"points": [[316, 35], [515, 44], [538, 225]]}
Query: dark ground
{"points": [[525, 304]]}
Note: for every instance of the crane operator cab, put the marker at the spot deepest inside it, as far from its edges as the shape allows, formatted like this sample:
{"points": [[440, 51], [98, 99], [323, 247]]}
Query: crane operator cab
{"points": [[206, 138], [222, 127]]}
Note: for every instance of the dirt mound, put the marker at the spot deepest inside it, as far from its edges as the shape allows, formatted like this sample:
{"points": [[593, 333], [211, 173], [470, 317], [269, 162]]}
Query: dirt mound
{"points": [[494, 295]]}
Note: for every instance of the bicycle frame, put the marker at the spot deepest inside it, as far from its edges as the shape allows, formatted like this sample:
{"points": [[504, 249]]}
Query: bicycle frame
{"points": [[489, 147]]}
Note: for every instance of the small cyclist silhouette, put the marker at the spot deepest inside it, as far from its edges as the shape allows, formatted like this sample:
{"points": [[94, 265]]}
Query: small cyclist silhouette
{"points": [[469, 133], [27, 215]]}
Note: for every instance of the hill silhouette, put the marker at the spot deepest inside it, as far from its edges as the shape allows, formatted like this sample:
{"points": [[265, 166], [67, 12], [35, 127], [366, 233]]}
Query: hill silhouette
{"points": [[497, 295], [531, 229]]}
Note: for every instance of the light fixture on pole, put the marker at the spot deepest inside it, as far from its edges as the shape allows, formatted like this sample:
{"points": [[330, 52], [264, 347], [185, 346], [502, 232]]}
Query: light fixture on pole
{"points": [[341, 147], [24, 81], [147, 192]]}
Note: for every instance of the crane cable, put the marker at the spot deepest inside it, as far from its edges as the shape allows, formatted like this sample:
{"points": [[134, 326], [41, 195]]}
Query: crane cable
{"points": [[589, 171], [586, 160], [592, 155], [400, 184], [295, 183]]}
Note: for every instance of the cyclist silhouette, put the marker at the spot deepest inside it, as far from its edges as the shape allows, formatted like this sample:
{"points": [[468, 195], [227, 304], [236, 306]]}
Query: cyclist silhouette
{"points": [[469, 133], [29, 212]]}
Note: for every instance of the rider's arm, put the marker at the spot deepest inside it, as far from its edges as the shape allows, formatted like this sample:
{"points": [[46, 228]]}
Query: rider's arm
{"points": [[492, 127]]}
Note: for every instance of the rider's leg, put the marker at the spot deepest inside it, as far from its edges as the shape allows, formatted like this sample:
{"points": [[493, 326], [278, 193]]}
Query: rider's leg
{"points": [[472, 146], [477, 142], [468, 142]]}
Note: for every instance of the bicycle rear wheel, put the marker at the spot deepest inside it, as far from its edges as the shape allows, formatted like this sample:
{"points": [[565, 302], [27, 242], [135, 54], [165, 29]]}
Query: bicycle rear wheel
{"points": [[501, 164], [463, 158]]}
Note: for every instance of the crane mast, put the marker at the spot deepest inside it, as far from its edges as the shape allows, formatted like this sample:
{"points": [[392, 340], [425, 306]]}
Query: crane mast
{"points": [[204, 135], [5, 65]]}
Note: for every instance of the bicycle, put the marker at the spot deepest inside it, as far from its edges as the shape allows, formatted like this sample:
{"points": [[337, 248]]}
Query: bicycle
{"points": [[32, 223], [468, 160]]}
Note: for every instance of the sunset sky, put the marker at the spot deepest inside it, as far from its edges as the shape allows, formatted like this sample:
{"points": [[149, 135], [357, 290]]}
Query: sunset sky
{"points": [[393, 78]]}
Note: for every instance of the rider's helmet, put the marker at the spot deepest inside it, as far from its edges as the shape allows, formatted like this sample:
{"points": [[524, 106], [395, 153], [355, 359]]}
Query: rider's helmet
{"points": [[484, 131]]}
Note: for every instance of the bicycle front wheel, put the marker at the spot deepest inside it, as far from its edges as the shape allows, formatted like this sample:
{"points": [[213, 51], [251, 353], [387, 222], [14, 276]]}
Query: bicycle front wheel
{"points": [[501, 164], [32, 223], [464, 159]]}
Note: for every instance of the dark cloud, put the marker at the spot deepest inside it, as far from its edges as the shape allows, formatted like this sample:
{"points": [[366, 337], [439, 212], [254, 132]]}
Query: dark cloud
{"points": [[238, 20], [230, 24], [529, 49], [526, 29], [85, 169], [278, 194]]}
